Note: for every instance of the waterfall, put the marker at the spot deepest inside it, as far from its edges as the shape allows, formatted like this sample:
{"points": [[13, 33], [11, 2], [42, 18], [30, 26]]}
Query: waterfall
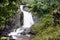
{"points": [[27, 23]]}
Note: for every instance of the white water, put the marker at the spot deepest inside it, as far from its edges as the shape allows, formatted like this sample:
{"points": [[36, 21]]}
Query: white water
{"points": [[27, 23]]}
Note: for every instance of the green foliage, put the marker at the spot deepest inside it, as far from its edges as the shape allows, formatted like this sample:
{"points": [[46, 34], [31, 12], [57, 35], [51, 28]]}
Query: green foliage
{"points": [[46, 30], [28, 1], [3, 38], [7, 9], [43, 6], [46, 21]]}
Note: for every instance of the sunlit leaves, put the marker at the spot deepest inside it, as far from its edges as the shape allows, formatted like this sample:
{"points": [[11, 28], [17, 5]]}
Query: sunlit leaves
{"points": [[44, 7]]}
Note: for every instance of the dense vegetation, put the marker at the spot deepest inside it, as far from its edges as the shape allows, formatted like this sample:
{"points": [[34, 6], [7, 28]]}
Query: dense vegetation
{"points": [[47, 10], [7, 9], [49, 26]]}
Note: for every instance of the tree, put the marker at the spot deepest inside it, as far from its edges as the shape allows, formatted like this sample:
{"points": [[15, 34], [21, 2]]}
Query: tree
{"points": [[7, 9]]}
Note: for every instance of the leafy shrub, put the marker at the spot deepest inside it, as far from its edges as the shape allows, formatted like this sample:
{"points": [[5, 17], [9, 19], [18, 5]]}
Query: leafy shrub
{"points": [[7, 9]]}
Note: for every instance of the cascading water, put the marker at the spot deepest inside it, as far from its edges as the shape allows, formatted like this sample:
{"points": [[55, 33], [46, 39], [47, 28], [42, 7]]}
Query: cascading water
{"points": [[27, 23]]}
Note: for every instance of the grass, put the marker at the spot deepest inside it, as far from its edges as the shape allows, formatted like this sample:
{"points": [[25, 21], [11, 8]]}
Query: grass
{"points": [[46, 30], [3, 38]]}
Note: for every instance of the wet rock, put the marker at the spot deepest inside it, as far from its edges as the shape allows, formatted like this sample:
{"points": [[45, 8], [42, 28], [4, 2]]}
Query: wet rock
{"points": [[32, 32]]}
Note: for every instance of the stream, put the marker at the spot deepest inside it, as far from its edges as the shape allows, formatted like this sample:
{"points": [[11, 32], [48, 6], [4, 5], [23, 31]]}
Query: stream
{"points": [[22, 32]]}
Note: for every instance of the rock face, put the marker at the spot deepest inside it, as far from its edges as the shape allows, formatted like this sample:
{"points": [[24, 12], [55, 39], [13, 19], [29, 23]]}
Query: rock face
{"points": [[22, 37], [10, 25], [32, 32]]}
